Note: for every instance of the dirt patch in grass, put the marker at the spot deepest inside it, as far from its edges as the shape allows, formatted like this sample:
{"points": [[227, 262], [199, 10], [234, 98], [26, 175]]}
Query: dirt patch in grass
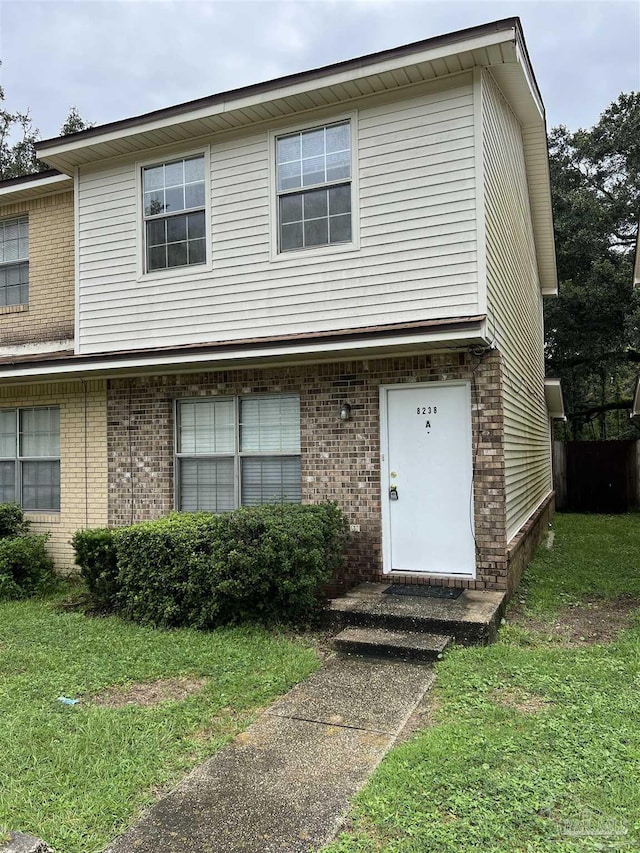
{"points": [[227, 722], [149, 693], [520, 700], [591, 621]]}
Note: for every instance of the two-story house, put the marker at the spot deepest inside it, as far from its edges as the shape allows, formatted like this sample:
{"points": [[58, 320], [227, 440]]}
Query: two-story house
{"points": [[326, 286]]}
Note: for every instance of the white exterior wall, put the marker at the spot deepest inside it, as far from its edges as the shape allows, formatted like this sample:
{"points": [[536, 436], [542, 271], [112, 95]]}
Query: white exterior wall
{"points": [[415, 207], [515, 309]]}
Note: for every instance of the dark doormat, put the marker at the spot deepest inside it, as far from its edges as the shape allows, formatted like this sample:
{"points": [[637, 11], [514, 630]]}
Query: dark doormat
{"points": [[424, 591]]}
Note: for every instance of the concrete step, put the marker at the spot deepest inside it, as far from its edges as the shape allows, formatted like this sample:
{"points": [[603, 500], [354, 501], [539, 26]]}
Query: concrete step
{"points": [[472, 618], [383, 643]]}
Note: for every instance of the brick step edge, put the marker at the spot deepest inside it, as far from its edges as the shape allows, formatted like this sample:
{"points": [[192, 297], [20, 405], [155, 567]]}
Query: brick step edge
{"points": [[380, 642]]}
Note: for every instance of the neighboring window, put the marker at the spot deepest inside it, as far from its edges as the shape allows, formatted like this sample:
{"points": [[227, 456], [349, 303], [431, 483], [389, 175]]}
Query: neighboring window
{"points": [[233, 452], [174, 214], [314, 187], [14, 261], [30, 457]]}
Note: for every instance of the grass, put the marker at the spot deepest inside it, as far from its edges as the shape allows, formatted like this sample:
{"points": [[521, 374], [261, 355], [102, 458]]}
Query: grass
{"points": [[535, 743], [77, 775]]}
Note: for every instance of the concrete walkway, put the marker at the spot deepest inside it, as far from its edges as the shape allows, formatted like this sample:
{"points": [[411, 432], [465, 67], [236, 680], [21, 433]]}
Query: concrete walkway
{"points": [[285, 784]]}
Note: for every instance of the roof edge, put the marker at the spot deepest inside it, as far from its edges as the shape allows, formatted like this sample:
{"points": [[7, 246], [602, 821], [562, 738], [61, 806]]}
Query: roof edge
{"points": [[290, 79], [34, 177], [554, 399]]}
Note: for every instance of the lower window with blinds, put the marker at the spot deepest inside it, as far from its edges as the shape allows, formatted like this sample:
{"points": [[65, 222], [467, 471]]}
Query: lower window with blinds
{"points": [[240, 451], [30, 457]]}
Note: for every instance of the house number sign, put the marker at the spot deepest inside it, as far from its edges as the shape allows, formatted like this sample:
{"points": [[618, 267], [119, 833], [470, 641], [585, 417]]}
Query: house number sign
{"points": [[427, 410]]}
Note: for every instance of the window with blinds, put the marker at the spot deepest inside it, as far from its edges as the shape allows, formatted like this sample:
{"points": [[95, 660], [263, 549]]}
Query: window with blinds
{"points": [[14, 261], [237, 452], [30, 457]]}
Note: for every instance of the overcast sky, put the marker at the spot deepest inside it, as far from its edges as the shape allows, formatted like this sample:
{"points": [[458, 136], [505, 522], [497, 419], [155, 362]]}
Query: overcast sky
{"points": [[121, 58]]}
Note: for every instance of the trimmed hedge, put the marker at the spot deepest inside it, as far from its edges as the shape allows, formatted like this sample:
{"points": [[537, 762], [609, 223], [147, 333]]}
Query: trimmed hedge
{"points": [[95, 553], [25, 567], [12, 521], [266, 564]]}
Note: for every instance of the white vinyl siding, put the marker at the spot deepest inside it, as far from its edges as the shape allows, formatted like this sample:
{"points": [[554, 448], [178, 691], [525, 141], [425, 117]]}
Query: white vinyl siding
{"points": [[515, 310], [415, 208], [237, 451]]}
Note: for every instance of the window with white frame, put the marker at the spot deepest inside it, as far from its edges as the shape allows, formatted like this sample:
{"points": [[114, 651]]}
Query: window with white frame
{"points": [[237, 452], [174, 213], [313, 182], [30, 457], [14, 261]]}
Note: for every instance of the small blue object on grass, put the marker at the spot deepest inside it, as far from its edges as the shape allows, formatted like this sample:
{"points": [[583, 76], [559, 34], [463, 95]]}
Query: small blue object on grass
{"points": [[66, 701]]}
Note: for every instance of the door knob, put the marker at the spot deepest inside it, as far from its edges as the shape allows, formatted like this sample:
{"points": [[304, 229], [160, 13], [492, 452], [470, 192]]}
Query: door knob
{"points": [[393, 493]]}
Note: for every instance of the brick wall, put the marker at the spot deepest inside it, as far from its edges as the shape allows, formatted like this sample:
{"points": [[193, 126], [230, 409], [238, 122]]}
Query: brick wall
{"points": [[340, 460], [49, 315], [524, 543], [83, 496]]}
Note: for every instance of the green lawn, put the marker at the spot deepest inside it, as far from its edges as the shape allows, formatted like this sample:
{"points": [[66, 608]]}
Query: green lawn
{"points": [[535, 742], [76, 775]]}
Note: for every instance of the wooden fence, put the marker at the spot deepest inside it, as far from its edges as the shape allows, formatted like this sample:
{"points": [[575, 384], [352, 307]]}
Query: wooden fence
{"points": [[597, 476]]}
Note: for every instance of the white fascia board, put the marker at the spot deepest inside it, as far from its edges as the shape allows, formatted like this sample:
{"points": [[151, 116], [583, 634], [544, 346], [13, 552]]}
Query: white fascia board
{"points": [[287, 90], [533, 89], [39, 186], [554, 399], [320, 351]]}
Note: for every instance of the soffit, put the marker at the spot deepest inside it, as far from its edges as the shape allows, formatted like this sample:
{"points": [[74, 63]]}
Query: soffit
{"points": [[33, 187], [554, 399], [280, 99]]}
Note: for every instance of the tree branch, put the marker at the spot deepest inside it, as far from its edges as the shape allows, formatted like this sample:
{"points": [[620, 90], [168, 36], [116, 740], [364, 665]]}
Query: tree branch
{"points": [[588, 414], [626, 355]]}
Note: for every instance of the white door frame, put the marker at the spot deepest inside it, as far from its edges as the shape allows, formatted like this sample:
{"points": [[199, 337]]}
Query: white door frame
{"points": [[384, 473]]}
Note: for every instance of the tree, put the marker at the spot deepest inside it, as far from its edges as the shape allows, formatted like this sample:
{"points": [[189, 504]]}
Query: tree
{"points": [[593, 328], [74, 123], [19, 157]]}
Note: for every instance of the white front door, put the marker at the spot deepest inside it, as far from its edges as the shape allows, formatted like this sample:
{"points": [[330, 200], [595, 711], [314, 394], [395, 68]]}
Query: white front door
{"points": [[427, 478]]}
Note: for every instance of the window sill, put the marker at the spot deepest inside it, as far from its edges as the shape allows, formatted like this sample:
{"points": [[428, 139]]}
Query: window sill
{"points": [[13, 309], [177, 274], [51, 517], [296, 255]]}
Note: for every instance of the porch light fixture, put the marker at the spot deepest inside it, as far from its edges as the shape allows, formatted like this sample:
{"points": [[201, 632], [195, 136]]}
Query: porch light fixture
{"points": [[345, 411]]}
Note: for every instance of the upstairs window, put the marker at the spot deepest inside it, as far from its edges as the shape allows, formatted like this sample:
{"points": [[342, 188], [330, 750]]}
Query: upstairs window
{"points": [[30, 457], [238, 452], [14, 261], [174, 214], [313, 176]]}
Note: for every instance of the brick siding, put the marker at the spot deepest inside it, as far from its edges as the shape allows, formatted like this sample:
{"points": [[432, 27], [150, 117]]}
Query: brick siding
{"points": [[83, 499], [49, 315], [340, 460]]}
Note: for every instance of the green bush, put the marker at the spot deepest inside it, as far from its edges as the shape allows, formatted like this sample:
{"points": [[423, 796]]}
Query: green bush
{"points": [[265, 564], [12, 521], [25, 567], [95, 553]]}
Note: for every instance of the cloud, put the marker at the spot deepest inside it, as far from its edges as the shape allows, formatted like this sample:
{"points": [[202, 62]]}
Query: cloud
{"points": [[122, 58]]}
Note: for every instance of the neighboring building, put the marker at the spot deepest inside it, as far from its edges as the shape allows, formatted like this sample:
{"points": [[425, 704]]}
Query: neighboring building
{"points": [[328, 286]]}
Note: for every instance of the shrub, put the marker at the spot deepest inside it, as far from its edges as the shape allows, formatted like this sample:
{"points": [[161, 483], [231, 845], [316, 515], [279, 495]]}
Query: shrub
{"points": [[265, 564], [95, 553], [25, 567], [12, 521]]}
